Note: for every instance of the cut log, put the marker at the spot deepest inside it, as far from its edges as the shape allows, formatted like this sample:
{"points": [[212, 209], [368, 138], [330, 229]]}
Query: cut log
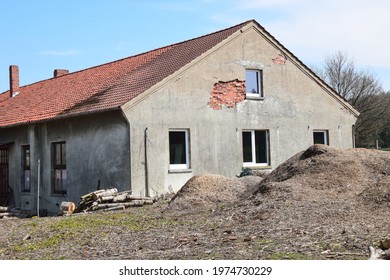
{"points": [[90, 195], [124, 204], [7, 214], [106, 198], [114, 208], [119, 198], [108, 192], [3, 209], [67, 207], [125, 193], [137, 197], [135, 203]]}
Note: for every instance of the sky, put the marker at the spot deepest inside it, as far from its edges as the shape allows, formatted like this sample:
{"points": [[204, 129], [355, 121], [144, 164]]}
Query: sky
{"points": [[40, 36]]}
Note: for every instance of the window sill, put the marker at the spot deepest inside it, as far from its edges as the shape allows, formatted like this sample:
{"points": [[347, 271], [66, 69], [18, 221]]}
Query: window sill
{"points": [[258, 167], [254, 97], [175, 171], [58, 194]]}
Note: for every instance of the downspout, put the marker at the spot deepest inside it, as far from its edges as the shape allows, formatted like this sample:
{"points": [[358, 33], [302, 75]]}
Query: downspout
{"points": [[146, 162]]}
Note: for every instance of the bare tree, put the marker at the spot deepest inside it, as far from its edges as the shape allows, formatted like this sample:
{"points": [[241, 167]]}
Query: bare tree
{"points": [[364, 91]]}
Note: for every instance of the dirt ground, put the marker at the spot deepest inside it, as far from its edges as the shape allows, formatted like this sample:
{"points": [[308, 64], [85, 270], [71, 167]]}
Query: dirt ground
{"points": [[323, 203]]}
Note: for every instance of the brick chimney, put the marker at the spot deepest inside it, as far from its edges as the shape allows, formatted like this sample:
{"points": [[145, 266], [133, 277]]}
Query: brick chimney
{"points": [[14, 80], [60, 72]]}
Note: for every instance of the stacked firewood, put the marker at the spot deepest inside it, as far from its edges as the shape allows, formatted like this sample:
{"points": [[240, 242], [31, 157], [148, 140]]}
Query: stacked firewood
{"points": [[7, 212], [110, 199], [4, 212]]}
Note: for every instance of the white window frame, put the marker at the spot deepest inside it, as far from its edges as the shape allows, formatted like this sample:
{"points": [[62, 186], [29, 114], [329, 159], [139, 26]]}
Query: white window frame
{"points": [[259, 75], [185, 166], [253, 142], [325, 132]]}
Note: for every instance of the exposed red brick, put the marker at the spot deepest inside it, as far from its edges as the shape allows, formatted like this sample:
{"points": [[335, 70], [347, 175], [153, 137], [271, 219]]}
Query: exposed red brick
{"points": [[13, 80], [60, 72], [227, 93]]}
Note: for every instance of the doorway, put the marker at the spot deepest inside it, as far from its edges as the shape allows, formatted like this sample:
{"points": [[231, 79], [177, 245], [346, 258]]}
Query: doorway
{"points": [[5, 191]]}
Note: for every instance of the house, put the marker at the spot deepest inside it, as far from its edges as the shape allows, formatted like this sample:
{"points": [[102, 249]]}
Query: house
{"points": [[215, 104]]}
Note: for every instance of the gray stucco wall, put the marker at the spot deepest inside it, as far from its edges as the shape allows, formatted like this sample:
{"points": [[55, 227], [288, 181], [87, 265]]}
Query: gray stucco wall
{"points": [[293, 106], [97, 149]]}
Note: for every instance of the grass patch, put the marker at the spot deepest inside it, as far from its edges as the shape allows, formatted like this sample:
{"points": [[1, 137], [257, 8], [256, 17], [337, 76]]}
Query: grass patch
{"points": [[50, 233], [48, 237], [289, 256], [52, 241]]}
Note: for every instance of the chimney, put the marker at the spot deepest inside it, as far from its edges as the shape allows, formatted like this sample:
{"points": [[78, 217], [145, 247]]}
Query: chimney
{"points": [[60, 72], [14, 80]]}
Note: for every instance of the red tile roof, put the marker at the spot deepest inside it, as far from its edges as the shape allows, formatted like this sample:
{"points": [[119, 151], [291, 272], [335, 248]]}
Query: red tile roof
{"points": [[103, 87]]}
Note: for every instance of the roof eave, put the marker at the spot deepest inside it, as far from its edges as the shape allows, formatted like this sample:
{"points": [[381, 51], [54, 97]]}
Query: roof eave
{"points": [[61, 117]]}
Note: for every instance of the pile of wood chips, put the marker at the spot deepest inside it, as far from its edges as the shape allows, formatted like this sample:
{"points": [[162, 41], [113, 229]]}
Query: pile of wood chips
{"points": [[110, 199]]}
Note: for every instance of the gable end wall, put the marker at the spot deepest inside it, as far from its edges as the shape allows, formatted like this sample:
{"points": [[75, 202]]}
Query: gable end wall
{"points": [[293, 106]]}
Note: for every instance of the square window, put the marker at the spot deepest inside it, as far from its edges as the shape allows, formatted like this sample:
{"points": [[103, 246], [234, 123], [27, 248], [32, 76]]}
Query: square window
{"points": [[321, 137], [179, 152], [255, 145], [254, 83]]}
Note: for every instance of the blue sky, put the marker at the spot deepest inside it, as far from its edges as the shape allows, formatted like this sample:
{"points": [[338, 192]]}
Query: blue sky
{"points": [[42, 35]]}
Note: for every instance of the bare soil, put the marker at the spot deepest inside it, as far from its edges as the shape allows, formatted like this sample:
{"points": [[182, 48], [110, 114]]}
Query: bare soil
{"points": [[323, 203]]}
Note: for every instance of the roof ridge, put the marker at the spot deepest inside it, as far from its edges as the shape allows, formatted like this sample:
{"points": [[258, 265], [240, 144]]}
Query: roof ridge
{"points": [[213, 33]]}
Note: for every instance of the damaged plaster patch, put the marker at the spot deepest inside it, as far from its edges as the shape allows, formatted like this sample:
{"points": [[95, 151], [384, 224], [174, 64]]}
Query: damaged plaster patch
{"points": [[250, 64], [227, 93], [280, 59]]}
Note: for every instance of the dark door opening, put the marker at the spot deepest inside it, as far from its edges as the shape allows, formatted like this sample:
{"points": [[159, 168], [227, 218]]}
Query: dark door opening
{"points": [[5, 191]]}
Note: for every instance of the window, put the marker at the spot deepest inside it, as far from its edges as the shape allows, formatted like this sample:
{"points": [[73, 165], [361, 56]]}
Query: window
{"points": [[179, 154], [254, 83], [255, 145], [26, 159], [59, 167], [321, 137]]}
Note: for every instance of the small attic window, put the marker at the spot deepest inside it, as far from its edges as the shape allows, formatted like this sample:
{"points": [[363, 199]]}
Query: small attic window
{"points": [[321, 137], [254, 83]]}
